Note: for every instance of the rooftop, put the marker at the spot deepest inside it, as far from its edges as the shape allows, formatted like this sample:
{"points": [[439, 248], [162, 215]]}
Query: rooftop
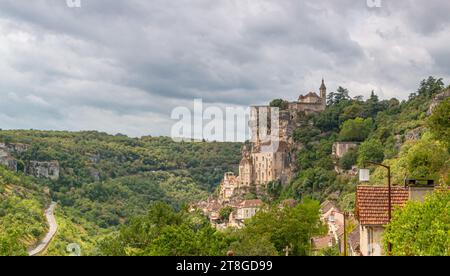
{"points": [[372, 203], [309, 95], [251, 203]]}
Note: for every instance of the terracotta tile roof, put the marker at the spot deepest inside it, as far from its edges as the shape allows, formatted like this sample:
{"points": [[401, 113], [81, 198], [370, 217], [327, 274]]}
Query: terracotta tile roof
{"points": [[251, 203], [372, 203], [321, 242], [326, 206]]}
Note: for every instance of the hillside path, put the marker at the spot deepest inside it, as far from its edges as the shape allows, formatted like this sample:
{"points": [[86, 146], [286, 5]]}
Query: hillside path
{"points": [[53, 227]]}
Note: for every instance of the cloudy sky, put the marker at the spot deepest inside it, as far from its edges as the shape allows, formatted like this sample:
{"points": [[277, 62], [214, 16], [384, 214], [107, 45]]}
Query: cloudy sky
{"points": [[122, 66]]}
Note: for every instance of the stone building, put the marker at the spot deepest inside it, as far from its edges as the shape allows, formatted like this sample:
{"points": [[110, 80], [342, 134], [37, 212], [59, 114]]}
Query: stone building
{"points": [[341, 148], [371, 210], [244, 210], [228, 186], [269, 155]]}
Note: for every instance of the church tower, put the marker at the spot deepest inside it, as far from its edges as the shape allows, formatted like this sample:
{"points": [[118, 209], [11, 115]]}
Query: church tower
{"points": [[323, 90]]}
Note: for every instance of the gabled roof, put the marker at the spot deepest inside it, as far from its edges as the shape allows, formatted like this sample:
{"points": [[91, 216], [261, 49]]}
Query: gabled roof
{"points": [[309, 95], [321, 242], [372, 203], [251, 203], [326, 206]]}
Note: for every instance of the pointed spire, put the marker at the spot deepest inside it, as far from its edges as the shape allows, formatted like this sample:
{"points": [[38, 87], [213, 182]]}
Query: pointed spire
{"points": [[323, 85]]}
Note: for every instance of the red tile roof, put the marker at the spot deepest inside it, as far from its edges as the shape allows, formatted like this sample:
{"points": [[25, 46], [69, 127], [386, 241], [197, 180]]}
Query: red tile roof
{"points": [[321, 242], [251, 203], [372, 203]]}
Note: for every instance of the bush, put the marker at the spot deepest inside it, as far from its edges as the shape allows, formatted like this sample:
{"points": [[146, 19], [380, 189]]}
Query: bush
{"points": [[370, 150], [349, 159], [421, 228], [356, 130]]}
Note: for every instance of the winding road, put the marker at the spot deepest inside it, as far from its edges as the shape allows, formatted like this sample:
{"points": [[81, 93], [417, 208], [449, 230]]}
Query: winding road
{"points": [[53, 227]]}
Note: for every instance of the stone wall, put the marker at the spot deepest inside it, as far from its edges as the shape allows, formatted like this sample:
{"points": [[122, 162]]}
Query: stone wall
{"points": [[341, 148]]}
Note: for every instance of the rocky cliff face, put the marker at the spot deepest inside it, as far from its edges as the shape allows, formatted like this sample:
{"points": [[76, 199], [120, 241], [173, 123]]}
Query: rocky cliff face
{"points": [[437, 100], [6, 159], [49, 170]]}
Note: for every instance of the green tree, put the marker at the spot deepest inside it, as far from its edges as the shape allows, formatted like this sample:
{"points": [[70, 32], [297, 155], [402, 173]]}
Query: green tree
{"points": [[439, 122], [225, 213], [281, 104], [421, 228], [341, 95], [356, 130], [252, 245], [430, 87], [370, 150], [426, 158], [349, 159], [10, 244], [355, 110], [288, 227]]}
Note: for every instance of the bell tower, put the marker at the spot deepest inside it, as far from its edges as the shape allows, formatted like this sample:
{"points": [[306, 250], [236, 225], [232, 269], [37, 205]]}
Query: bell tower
{"points": [[323, 90]]}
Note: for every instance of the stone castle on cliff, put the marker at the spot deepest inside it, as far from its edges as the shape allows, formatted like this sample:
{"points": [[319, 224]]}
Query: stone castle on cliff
{"points": [[270, 154]]}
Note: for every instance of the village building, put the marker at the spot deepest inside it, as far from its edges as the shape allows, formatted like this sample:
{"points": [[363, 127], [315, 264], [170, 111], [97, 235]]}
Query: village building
{"points": [[342, 148], [372, 208], [267, 158], [244, 210], [334, 219], [228, 186], [269, 155]]}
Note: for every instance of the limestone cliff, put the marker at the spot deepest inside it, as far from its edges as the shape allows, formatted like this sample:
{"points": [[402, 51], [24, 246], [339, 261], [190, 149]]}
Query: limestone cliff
{"points": [[50, 170]]}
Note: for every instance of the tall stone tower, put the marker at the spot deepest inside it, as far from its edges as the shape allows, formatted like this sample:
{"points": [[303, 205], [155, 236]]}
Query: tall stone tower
{"points": [[323, 92]]}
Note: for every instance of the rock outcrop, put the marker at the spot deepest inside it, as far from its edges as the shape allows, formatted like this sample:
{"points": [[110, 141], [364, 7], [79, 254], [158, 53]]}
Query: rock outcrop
{"points": [[6, 159], [50, 170], [437, 100], [415, 134]]}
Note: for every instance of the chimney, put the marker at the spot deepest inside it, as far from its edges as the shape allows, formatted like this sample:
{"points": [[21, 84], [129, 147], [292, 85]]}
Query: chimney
{"points": [[419, 189]]}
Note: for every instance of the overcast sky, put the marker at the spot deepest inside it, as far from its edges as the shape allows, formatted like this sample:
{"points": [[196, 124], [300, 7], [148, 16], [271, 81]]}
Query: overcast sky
{"points": [[122, 66]]}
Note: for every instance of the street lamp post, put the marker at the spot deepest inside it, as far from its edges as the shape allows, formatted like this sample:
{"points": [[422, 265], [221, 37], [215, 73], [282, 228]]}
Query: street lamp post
{"points": [[389, 194], [345, 234]]}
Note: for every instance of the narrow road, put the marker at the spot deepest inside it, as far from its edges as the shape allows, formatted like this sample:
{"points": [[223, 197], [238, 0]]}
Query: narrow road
{"points": [[53, 227]]}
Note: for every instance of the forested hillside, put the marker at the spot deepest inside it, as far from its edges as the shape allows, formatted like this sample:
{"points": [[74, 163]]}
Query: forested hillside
{"points": [[401, 134], [104, 180], [22, 203]]}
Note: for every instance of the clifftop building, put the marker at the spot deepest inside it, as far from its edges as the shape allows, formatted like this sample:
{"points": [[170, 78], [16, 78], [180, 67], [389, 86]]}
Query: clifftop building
{"points": [[269, 155]]}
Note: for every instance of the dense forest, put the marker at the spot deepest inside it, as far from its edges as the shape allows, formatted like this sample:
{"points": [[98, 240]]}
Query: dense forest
{"points": [[105, 179], [128, 196], [401, 134]]}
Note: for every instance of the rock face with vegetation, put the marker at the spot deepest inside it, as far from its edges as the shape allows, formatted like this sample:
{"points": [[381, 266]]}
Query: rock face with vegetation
{"points": [[43, 169]]}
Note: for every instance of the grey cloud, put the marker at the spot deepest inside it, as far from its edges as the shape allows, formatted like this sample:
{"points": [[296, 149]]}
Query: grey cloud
{"points": [[139, 59]]}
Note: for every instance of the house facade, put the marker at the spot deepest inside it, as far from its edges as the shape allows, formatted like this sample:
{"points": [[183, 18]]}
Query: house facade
{"points": [[372, 212]]}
